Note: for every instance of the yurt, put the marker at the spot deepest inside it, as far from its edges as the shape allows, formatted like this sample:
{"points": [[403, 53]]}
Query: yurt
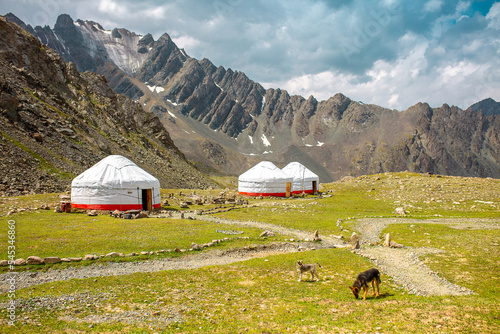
{"points": [[115, 183], [303, 179], [264, 179]]}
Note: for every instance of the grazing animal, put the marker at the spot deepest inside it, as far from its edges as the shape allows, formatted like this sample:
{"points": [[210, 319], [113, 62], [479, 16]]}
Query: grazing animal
{"points": [[302, 268], [370, 276]]}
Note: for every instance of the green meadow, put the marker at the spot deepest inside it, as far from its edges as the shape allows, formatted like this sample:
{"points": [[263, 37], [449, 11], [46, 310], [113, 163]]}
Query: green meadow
{"points": [[262, 295]]}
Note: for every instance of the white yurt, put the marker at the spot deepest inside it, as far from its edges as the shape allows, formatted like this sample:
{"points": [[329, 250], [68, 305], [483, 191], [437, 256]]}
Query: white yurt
{"points": [[303, 179], [264, 179], [115, 183]]}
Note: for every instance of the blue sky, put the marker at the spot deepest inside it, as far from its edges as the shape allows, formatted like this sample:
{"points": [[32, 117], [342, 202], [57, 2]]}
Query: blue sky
{"points": [[392, 53]]}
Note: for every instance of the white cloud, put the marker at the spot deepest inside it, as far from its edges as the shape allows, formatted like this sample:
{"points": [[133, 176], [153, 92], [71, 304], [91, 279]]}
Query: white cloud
{"points": [[493, 16], [433, 5]]}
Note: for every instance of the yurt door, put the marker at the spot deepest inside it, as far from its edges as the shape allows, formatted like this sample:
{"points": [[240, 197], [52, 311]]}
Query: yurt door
{"points": [[314, 187], [147, 200], [288, 189]]}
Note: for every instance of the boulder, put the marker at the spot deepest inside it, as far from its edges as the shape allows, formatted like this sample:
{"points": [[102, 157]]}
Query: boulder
{"points": [[34, 260], [354, 238], [316, 236], [400, 211], [387, 240], [92, 213], [19, 262], [52, 259], [267, 233]]}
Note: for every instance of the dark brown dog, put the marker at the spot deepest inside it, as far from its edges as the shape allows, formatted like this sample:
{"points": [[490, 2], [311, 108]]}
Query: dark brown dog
{"points": [[370, 276]]}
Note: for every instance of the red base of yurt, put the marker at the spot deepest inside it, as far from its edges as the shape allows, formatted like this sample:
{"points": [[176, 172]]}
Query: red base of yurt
{"points": [[111, 207], [264, 194], [302, 191]]}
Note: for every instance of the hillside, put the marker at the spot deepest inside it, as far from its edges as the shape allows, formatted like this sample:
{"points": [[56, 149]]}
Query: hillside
{"points": [[225, 122], [55, 122]]}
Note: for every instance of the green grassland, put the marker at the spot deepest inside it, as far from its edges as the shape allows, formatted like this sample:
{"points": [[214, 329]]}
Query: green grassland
{"points": [[262, 295]]}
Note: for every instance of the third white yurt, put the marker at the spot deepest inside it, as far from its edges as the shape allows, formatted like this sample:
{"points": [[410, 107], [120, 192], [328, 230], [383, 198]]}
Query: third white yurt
{"points": [[264, 179], [304, 181], [115, 183]]}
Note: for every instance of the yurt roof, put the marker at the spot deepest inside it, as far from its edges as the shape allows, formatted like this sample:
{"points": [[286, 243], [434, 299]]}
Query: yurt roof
{"points": [[264, 171], [115, 171], [299, 171]]}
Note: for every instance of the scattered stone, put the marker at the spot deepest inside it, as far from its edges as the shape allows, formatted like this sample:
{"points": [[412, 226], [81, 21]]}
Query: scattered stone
{"points": [[316, 236], [75, 259], [387, 240], [92, 213], [65, 259], [355, 245], [89, 257], [195, 247], [395, 245], [142, 214], [4, 263], [52, 259], [38, 137], [19, 262], [268, 233], [34, 260], [400, 211], [112, 254], [177, 250], [144, 253]]}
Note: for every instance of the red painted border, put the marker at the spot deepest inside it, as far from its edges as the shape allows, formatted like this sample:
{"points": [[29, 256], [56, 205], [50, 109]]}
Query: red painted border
{"points": [[120, 207], [264, 194], [302, 191]]}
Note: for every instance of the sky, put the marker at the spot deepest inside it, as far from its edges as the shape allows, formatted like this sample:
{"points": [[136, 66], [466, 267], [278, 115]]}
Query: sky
{"points": [[392, 53]]}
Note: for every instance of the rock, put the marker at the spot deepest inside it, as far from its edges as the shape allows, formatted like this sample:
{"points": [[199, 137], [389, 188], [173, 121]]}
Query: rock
{"points": [[395, 245], [52, 259], [267, 233], [387, 240], [34, 260], [400, 211], [112, 254], [65, 259], [38, 137], [316, 236], [19, 262], [4, 263], [75, 259], [195, 247], [127, 216], [92, 213], [354, 238], [142, 214], [144, 253], [355, 245], [177, 250], [89, 257]]}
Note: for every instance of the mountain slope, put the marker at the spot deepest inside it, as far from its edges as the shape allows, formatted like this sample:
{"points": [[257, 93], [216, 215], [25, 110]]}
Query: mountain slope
{"points": [[222, 120], [55, 122]]}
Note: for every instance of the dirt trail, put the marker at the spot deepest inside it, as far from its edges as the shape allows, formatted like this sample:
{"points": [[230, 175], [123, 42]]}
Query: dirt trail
{"points": [[402, 264]]}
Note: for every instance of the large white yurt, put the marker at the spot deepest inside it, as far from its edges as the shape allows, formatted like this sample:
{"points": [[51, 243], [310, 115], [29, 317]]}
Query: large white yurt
{"points": [[264, 179], [115, 183], [304, 181]]}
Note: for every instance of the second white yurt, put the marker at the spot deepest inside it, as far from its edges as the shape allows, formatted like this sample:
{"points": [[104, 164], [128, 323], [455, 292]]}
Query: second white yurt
{"points": [[115, 183], [304, 181], [264, 179]]}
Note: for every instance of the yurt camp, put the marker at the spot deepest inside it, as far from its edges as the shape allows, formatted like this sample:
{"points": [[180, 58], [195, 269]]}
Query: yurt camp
{"points": [[264, 179], [115, 183], [303, 180]]}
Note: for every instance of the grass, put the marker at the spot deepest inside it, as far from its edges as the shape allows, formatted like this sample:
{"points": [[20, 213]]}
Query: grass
{"points": [[262, 295]]}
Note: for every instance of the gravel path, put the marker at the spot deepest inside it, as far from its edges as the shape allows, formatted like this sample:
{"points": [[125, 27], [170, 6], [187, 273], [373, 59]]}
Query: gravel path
{"points": [[402, 264]]}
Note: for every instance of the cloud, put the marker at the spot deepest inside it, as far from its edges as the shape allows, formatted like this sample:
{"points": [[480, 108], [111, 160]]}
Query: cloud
{"points": [[394, 53], [433, 5]]}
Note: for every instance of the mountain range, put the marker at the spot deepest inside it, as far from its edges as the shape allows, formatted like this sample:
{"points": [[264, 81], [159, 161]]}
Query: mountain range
{"points": [[224, 122]]}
